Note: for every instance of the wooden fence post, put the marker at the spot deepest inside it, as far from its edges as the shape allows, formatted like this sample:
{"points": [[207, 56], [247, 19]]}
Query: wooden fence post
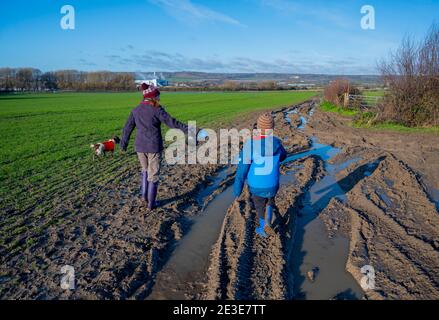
{"points": [[346, 100]]}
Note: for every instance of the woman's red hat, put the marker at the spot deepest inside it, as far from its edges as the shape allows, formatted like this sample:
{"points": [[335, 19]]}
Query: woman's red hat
{"points": [[149, 91]]}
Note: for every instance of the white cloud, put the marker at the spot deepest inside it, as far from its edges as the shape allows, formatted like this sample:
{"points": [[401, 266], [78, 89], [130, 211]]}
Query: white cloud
{"points": [[187, 11], [313, 62]]}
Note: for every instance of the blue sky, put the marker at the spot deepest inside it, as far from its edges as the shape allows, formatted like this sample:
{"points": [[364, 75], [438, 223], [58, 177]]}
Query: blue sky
{"points": [[313, 36]]}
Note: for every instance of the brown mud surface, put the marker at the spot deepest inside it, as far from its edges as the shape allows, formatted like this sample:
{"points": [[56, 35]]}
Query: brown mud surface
{"points": [[390, 215], [385, 207], [114, 244], [385, 210]]}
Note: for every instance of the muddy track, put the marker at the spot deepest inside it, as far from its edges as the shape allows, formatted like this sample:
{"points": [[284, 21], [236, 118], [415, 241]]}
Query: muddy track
{"points": [[389, 216], [383, 204], [392, 226], [246, 266]]}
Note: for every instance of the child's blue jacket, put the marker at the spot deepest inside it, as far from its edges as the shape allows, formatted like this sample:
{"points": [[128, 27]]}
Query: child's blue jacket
{"points": [[259, 162]]}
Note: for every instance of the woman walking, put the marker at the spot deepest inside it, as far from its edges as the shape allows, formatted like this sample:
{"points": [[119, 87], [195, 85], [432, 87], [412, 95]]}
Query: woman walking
{"points": [[147, 117]]}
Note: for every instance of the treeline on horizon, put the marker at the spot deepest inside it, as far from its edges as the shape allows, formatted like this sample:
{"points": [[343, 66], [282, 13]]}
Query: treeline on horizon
{"points": [[34, 80], [31, 79]]}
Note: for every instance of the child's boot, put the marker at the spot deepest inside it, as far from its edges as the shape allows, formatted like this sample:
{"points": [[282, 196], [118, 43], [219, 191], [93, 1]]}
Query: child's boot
{"points": [[269, 216], [260, 229]]}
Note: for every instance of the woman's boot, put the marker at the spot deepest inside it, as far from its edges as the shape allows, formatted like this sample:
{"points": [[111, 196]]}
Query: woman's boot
{"points": [[144, 186], [152, 194]]}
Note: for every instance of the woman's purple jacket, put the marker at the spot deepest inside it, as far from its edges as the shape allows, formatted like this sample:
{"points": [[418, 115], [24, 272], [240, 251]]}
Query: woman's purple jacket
{"points": [[148, 119]]}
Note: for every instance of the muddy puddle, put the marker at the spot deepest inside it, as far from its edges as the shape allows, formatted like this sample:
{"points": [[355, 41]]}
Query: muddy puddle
{"points": [[204, 195], [184, 274], [434, 195], [302, 120], [318, 262]]}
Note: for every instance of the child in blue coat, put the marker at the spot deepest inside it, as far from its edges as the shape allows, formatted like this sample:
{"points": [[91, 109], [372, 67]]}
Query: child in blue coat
{"points": [[259, 163]]}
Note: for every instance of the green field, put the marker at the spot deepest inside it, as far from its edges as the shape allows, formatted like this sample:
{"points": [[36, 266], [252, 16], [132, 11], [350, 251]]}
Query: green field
{"points": [[374, 93], [46, 158]]}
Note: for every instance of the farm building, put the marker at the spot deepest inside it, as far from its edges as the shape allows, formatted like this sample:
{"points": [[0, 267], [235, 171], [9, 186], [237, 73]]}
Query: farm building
{"points": [[154, 80]]}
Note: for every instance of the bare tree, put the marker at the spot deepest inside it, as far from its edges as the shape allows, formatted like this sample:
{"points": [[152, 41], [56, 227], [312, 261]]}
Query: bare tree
{"points": [[412, 75], [267, 85], [27, 79], [49, 81], [230, 85], [336, 91], [7, 79], [24, 79]]}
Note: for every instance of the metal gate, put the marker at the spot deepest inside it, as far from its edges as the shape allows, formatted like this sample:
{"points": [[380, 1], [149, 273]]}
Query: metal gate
{"points": [[362, 101]]}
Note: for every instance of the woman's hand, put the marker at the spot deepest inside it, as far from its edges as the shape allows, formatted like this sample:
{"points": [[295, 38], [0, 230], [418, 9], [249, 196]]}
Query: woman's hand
{"points": [[202, 134]]}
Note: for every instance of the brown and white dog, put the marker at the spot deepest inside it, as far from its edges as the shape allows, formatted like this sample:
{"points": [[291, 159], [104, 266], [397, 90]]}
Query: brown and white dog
{"points": [[102, 148]]}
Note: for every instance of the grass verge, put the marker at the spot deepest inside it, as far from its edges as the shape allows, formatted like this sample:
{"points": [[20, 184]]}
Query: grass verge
{"points": [[365, 120], [329, 107], [395, 127]]}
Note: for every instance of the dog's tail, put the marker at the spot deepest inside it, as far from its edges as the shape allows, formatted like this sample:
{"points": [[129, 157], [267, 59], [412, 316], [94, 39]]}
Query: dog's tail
{"points": [[116, 139]]}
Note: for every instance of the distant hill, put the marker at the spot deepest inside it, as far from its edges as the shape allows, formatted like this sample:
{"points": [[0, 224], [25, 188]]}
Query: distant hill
{"points": [[314, 79]]}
